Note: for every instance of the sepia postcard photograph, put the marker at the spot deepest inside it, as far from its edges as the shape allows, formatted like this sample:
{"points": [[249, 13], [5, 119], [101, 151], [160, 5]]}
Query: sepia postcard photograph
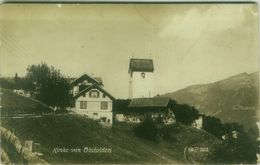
{"points": [[129, 83]]}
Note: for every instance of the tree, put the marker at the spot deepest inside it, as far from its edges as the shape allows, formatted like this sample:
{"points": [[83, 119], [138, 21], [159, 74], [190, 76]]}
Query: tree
{"points": [[26, 84], [213, 125], [237, 148], [50, 86], [38, 75], [22, 83], [16, 81], [184, 113]]}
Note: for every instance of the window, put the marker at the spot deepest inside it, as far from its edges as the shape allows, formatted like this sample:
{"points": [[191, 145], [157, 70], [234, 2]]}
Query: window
{"points": [[143, 75], [94, 94], [83, 104], [104, 95], [84, 95], [103, 105]]}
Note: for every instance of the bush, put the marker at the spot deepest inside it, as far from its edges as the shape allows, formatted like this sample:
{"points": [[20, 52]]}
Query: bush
{"points": [[167, 132], [147, 130], [6, 84], [61, 111]]}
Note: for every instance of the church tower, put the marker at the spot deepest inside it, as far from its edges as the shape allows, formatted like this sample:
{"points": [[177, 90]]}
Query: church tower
{"points": [[141, 81]]}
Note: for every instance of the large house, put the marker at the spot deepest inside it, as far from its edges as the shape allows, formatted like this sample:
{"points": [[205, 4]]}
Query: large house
{"points": [[141, 78], [156, 108], [91, 99]]}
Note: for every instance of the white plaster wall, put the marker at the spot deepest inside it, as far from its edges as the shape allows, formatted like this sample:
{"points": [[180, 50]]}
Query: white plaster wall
{"points": [[130, 86], [75, 90], [142, 87], [94, 106], [198, 123]]}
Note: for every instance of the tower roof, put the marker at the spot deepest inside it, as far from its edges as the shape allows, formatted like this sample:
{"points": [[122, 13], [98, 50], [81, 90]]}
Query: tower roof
{"points": [[141, 65]]}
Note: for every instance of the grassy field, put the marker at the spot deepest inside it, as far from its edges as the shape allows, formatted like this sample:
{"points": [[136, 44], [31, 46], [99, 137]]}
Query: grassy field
{"points": [[71, 131], [13, 103]]}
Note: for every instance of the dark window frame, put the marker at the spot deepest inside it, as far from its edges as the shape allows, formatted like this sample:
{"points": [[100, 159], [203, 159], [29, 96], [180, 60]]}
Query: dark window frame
{"points": [[83, 105], [104, 105]]}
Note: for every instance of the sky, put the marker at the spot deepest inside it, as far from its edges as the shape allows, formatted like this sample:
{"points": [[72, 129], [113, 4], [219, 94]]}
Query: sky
{"points": [[189, 43]]}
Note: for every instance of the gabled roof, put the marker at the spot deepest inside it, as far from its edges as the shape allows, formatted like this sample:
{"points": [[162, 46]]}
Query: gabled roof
{"points": [[149, 102], [96, 80], [94, 86], [141, 65]]}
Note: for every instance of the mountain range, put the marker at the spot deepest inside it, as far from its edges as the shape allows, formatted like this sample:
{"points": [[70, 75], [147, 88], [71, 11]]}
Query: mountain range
{"points": [[234, 99]]}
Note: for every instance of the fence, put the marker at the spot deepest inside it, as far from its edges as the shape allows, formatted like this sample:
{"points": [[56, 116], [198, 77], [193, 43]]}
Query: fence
{"points": [[24, 152]]}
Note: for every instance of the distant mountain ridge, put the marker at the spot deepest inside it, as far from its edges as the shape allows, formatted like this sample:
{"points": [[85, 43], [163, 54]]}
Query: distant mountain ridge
{"points": [[234, 99]]}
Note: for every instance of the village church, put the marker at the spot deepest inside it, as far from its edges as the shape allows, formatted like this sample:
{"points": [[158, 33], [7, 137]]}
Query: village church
{"points": [[141, 93]]}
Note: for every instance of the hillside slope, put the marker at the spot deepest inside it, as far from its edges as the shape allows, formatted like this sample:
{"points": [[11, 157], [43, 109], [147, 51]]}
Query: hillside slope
{"points": [[71, 131], [13, 104], [75, 132], [234, 99]]}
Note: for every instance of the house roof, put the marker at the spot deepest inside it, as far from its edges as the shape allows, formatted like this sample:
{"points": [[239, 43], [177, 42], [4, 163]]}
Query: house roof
{"points": [[149, 102], [93, 86], [96, 80], [141, 65]]}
